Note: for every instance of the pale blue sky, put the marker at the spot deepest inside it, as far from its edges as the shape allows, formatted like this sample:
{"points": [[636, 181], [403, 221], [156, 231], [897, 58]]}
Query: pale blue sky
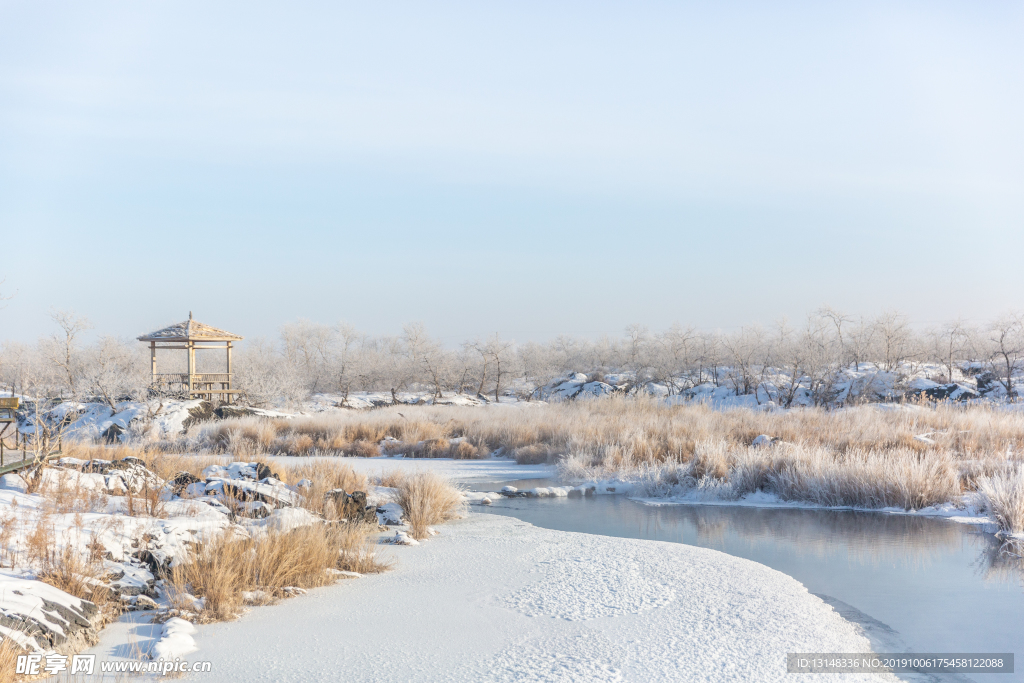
{"points": [[534, 168]]}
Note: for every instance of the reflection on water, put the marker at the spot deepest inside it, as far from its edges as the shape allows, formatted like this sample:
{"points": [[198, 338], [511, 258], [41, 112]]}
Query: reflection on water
{"points": [[1002, 560], [938, 586]]}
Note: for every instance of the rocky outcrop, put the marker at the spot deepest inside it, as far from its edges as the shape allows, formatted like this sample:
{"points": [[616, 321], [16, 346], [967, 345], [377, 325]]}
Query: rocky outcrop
{"points": [[38, 616]]}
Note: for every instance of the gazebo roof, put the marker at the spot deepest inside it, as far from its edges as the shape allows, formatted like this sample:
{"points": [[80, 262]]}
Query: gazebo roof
{"points": [[190, 330]]}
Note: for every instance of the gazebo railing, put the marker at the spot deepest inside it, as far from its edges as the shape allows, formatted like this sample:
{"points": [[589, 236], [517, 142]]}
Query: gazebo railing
{"points": [[206, 384], [197, 378]]}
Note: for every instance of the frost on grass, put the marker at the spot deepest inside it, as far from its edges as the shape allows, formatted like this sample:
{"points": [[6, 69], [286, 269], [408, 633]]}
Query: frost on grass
{"points": [[427, 498], [1004, 497]]}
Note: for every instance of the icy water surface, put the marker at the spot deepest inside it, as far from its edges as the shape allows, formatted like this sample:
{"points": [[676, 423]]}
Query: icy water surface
{"points": [[914, 584]]}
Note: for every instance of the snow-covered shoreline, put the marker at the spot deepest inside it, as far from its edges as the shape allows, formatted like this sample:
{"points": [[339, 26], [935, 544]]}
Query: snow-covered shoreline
{"points": [[493, 598], [969, 514], [469, 472]]}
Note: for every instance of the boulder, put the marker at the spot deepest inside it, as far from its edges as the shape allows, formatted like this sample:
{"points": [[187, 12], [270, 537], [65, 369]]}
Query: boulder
{"points": [[113, 433], [195, 490], [133, 472], [42, 613], [182, 480], [390, 514], [262, 472], [127, 463], [144, 602], [254, 510], [225, 412], [246, 490], [986, 382], [945, 392], [200, 413], [401, 538], [351, 507]]}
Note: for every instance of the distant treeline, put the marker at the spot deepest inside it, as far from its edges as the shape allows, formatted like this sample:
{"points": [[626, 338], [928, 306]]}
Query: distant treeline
{"points": [[787, 362]]}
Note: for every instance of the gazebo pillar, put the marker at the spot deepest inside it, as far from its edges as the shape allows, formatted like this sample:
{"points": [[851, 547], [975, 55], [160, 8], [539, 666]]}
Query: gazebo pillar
{"points": [[152, 359], [191, 364], [227, 397]]}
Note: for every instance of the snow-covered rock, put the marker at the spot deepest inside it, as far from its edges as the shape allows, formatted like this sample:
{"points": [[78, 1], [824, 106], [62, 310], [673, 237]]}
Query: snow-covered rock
{"points": [[44, 616], [402, 538], [175, 640], [390, 514]]}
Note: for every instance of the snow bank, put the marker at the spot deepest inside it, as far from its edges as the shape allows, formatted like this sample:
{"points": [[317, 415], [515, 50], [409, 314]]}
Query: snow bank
{"points": [[175, 640], [495, 599]]}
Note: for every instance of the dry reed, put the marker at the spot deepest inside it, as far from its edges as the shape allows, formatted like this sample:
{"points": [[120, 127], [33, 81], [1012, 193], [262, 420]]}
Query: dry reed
{"points": [[427, 498], [1004, 498], [224, 567], [643, 430]]}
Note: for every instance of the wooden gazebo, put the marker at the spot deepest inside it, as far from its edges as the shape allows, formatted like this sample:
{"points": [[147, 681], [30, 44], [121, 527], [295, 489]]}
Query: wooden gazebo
{"points": [[192, 336]]}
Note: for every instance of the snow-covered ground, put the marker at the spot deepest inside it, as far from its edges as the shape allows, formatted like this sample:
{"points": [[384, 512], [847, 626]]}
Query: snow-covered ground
{"points": [[495, 599]]}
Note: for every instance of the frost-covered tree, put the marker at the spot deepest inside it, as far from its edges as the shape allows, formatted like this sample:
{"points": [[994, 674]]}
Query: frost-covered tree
{"points": [[62, 349], [1006, 350], [114, 370], [949, 344], [894, 339], [260, 371]]}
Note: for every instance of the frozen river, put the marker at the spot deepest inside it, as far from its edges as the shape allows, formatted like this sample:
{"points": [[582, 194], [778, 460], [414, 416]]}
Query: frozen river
{"points": [[915, 584]]}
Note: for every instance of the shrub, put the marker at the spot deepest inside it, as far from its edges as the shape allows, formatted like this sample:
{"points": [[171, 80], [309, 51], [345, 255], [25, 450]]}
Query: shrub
{"points": [[427, 498], [1004, 497]]}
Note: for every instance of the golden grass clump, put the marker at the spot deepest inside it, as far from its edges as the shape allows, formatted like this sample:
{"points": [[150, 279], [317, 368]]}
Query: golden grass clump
{"points": [[168, 465], [325, 475], [77, 574], [427, 498], [9, 651], [93, 451], [225, 566]]}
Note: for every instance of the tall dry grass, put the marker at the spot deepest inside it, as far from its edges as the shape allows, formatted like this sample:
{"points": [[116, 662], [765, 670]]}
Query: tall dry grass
{"points": [[1004, 497], [9, 651], [79, 575], [630, 429], [225, 567], [907, 456], [64, 494], [427, 498], [325, 476], [813, 474]]}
